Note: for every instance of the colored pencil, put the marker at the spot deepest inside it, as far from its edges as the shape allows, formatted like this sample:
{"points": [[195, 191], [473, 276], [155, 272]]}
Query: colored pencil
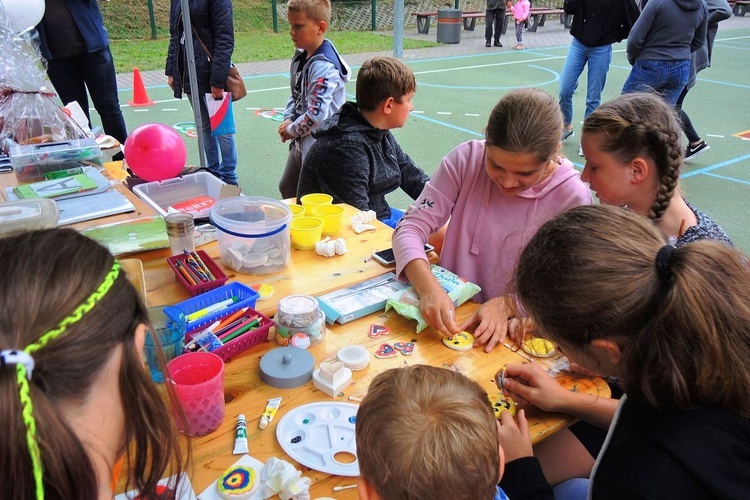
{"points": [[236, 315], [184, 273]]}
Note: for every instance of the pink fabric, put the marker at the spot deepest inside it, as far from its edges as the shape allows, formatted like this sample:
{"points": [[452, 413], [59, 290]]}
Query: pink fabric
{"points": [[487, 229], [520, 10]]}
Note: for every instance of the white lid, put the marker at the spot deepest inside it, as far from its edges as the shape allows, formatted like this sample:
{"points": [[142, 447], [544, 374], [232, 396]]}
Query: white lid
{"points": [[28, 215]]}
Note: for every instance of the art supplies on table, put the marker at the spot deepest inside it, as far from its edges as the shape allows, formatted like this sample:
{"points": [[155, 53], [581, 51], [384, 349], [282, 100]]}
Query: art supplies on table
{"points": [[26, 215], [197, 272], [59, 179], [246, 461], [31, 162], [55, 188], [94, 206], [315, 433], [192, 193], [147, 233], [359, 300]]}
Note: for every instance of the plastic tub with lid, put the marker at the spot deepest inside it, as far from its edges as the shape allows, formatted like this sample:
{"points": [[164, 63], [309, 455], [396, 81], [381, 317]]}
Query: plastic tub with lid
{"points": [[253, 233], [27, 215]]}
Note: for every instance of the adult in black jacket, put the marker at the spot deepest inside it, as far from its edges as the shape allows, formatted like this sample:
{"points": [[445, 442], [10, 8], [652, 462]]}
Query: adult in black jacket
{"points": [[355, 158], [213, 33], [597, 24]]}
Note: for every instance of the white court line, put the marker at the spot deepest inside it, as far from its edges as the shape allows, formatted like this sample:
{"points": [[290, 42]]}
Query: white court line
{"points": [[444, 113], [141, 110], [471, 114], [417, 112], [169, 109], [714, 135]]}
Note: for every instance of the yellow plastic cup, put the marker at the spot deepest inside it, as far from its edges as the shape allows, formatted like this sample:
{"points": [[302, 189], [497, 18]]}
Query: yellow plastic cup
{"points": [[297, 210], [315, 199], [305, 232], [332, 217]]}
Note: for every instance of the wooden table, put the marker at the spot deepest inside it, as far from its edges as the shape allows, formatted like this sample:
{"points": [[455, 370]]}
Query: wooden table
{"points": [[308, 272], [313, 274], [142, 209]]}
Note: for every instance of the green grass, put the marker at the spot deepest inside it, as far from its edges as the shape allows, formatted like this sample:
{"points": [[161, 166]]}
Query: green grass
{"points": [[251, 47]]}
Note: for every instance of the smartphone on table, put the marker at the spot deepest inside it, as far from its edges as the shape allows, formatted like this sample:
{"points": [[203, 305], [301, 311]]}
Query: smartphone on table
{"points": [[387, 258]]}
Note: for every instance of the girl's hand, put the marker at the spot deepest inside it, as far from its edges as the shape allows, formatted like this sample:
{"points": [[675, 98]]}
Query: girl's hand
{"points": [[514, 438], [493, 319], [528, 384], [437, 309]]}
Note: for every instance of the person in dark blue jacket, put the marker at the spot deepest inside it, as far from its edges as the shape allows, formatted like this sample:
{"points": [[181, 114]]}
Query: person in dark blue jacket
{"points": [[213, 44], [76, 46]]}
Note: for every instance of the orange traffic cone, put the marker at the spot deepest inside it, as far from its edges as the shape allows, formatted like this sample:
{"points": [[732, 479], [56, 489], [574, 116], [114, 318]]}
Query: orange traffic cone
{"points": [[140, 97]]}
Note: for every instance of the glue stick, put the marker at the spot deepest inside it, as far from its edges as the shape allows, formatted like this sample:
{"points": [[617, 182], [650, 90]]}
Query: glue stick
{"points": [[240, 436], [271, 407]]}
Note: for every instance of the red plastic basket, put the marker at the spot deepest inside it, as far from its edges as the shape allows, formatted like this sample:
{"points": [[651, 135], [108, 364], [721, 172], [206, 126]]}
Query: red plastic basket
{"points": [[201, 287], [244, 341]]}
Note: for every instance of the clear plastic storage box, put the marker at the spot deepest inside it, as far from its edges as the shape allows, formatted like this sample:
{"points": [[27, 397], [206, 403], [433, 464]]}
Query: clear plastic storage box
{"points": [[192, 193]]}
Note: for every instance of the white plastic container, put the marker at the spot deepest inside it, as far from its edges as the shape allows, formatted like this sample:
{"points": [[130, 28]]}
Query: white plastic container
{"points": [[27, 215], [163, 194], [253, 233]]}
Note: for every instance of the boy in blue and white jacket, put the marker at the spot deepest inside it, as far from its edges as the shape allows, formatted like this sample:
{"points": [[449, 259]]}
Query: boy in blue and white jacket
{"points": [[318, 76]]}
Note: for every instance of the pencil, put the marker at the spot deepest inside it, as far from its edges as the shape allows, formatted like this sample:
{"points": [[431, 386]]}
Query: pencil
{"points": [[229, 319], [185, 274], [203, 265]]}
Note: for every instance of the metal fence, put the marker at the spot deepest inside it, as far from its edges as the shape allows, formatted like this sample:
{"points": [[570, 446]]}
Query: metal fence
{"points": [[136, 19]]}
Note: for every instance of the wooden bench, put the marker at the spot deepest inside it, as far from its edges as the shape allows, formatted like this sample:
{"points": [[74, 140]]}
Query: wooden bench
{"points": [[424, 18], [539, 16], [740, 7]]}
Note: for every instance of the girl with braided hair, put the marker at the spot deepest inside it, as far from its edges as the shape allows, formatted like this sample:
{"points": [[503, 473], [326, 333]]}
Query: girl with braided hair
{"points": [[633, 156], [75, 397], [672, 323]]}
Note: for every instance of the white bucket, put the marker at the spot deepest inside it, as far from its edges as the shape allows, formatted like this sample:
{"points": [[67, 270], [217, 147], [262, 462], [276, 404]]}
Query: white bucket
{"points": [[253, 233]]}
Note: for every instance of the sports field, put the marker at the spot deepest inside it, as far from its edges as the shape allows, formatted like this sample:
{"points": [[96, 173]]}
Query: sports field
{"points": [[456, 92]]}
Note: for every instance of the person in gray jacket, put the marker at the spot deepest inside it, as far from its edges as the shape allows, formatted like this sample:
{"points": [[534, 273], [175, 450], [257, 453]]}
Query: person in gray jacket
{"points": [[718, 10], [355, 157], [660, 46]]}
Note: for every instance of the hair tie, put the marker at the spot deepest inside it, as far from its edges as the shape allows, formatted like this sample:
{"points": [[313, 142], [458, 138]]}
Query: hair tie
{"points": [[16, 357], [664, 263]]}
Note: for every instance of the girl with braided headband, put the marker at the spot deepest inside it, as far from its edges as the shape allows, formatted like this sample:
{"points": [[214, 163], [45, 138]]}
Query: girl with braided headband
{"points": [[633, 152], [673, 324], [74, 395]]}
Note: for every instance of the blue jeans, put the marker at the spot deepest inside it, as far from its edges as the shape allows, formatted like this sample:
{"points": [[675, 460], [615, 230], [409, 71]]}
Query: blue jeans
{"points": [[221, 152], [96, 71], [598, 59], [667, 78]]}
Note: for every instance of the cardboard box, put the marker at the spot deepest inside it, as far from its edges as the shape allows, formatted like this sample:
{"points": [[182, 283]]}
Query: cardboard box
{"points": [[348, 304]]}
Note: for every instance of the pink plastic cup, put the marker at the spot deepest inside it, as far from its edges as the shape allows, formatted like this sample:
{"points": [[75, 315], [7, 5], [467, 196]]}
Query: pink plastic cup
{"points": [[198, 381]]}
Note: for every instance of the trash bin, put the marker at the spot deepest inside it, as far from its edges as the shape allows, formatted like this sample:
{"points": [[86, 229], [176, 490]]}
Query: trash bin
{"points": [[449, 26]]}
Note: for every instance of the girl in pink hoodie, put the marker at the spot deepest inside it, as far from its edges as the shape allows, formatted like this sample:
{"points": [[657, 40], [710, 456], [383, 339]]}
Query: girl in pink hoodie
{"points": [[520, 14], [496, 194]]}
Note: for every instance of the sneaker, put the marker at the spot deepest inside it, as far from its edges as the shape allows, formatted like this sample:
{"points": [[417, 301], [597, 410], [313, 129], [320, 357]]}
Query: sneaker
{"points": [[488, 44], [697, 150], [497, 43], [519, 47], [580, 151], [566, 133]]}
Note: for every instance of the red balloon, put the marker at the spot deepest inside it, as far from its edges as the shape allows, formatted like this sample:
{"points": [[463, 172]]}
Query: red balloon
{"points": [[155, 152]]}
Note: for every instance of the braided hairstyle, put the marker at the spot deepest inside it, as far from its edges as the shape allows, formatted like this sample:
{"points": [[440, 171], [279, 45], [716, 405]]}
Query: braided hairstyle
{"points": [[642, 124], [46, 279]]}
